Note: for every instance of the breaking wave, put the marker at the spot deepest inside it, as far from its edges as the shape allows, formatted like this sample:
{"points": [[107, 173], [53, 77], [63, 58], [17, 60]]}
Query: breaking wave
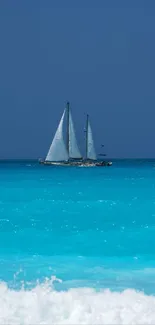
{"points": [[44, 305]]}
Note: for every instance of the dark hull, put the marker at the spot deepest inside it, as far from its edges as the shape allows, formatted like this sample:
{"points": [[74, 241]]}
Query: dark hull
{"points": [[77, 163]]}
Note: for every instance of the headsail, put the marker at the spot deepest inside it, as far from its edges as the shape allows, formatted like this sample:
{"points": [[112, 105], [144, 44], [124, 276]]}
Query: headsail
{"points": [[74, 151], [58, 151], [90, 149]]}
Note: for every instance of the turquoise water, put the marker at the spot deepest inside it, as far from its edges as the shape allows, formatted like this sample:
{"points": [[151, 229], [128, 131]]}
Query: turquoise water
{"points": [[89, 227]]}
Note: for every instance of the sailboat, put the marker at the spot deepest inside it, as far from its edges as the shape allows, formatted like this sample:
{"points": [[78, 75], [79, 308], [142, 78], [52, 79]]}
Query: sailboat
{"points": [[67, 153]]}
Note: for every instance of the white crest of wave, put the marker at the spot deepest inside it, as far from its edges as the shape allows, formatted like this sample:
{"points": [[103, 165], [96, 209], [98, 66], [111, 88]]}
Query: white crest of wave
{"points": [[44, 305]]}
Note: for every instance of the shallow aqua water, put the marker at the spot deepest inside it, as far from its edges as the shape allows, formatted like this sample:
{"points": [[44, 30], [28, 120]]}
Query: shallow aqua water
{"points": [[77, 245], [90, 227]]}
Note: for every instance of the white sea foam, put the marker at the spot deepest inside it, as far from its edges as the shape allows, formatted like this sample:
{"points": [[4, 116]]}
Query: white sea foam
{"points": [[44, 305]]}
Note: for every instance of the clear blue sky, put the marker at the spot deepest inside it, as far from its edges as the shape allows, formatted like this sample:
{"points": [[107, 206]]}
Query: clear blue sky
{"points": [[100, 55]]}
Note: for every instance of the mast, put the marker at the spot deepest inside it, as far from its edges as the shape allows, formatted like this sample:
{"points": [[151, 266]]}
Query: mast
{"points": [[87, 136], [67, 111]]}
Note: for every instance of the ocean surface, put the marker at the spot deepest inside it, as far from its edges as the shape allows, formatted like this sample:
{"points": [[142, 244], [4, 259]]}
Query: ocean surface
{"points": [[77, 245]]}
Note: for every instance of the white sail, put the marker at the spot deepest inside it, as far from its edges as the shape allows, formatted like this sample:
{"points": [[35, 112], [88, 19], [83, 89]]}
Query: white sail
{"points": [[91, 154], [74, 151], [58, 151]]}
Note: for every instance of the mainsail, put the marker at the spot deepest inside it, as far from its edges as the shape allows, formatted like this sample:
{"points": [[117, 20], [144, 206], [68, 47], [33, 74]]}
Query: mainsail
{"points": [[74, 151], [58, 151], [90, 149]]}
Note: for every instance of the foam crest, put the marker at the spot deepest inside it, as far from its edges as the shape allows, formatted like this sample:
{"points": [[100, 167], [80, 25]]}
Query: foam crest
{"points": [[44, 305]]}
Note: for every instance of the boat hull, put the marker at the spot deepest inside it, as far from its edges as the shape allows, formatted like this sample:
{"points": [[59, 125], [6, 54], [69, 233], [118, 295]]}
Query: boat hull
{"points": [[77, 163]]}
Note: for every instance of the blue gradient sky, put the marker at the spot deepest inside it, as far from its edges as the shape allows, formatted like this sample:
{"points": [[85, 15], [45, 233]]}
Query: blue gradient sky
{"points": [[100, 55]]}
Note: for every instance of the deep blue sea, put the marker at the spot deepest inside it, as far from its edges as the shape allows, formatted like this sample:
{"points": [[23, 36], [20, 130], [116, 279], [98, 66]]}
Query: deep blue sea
{"points": [[77, 245]]}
